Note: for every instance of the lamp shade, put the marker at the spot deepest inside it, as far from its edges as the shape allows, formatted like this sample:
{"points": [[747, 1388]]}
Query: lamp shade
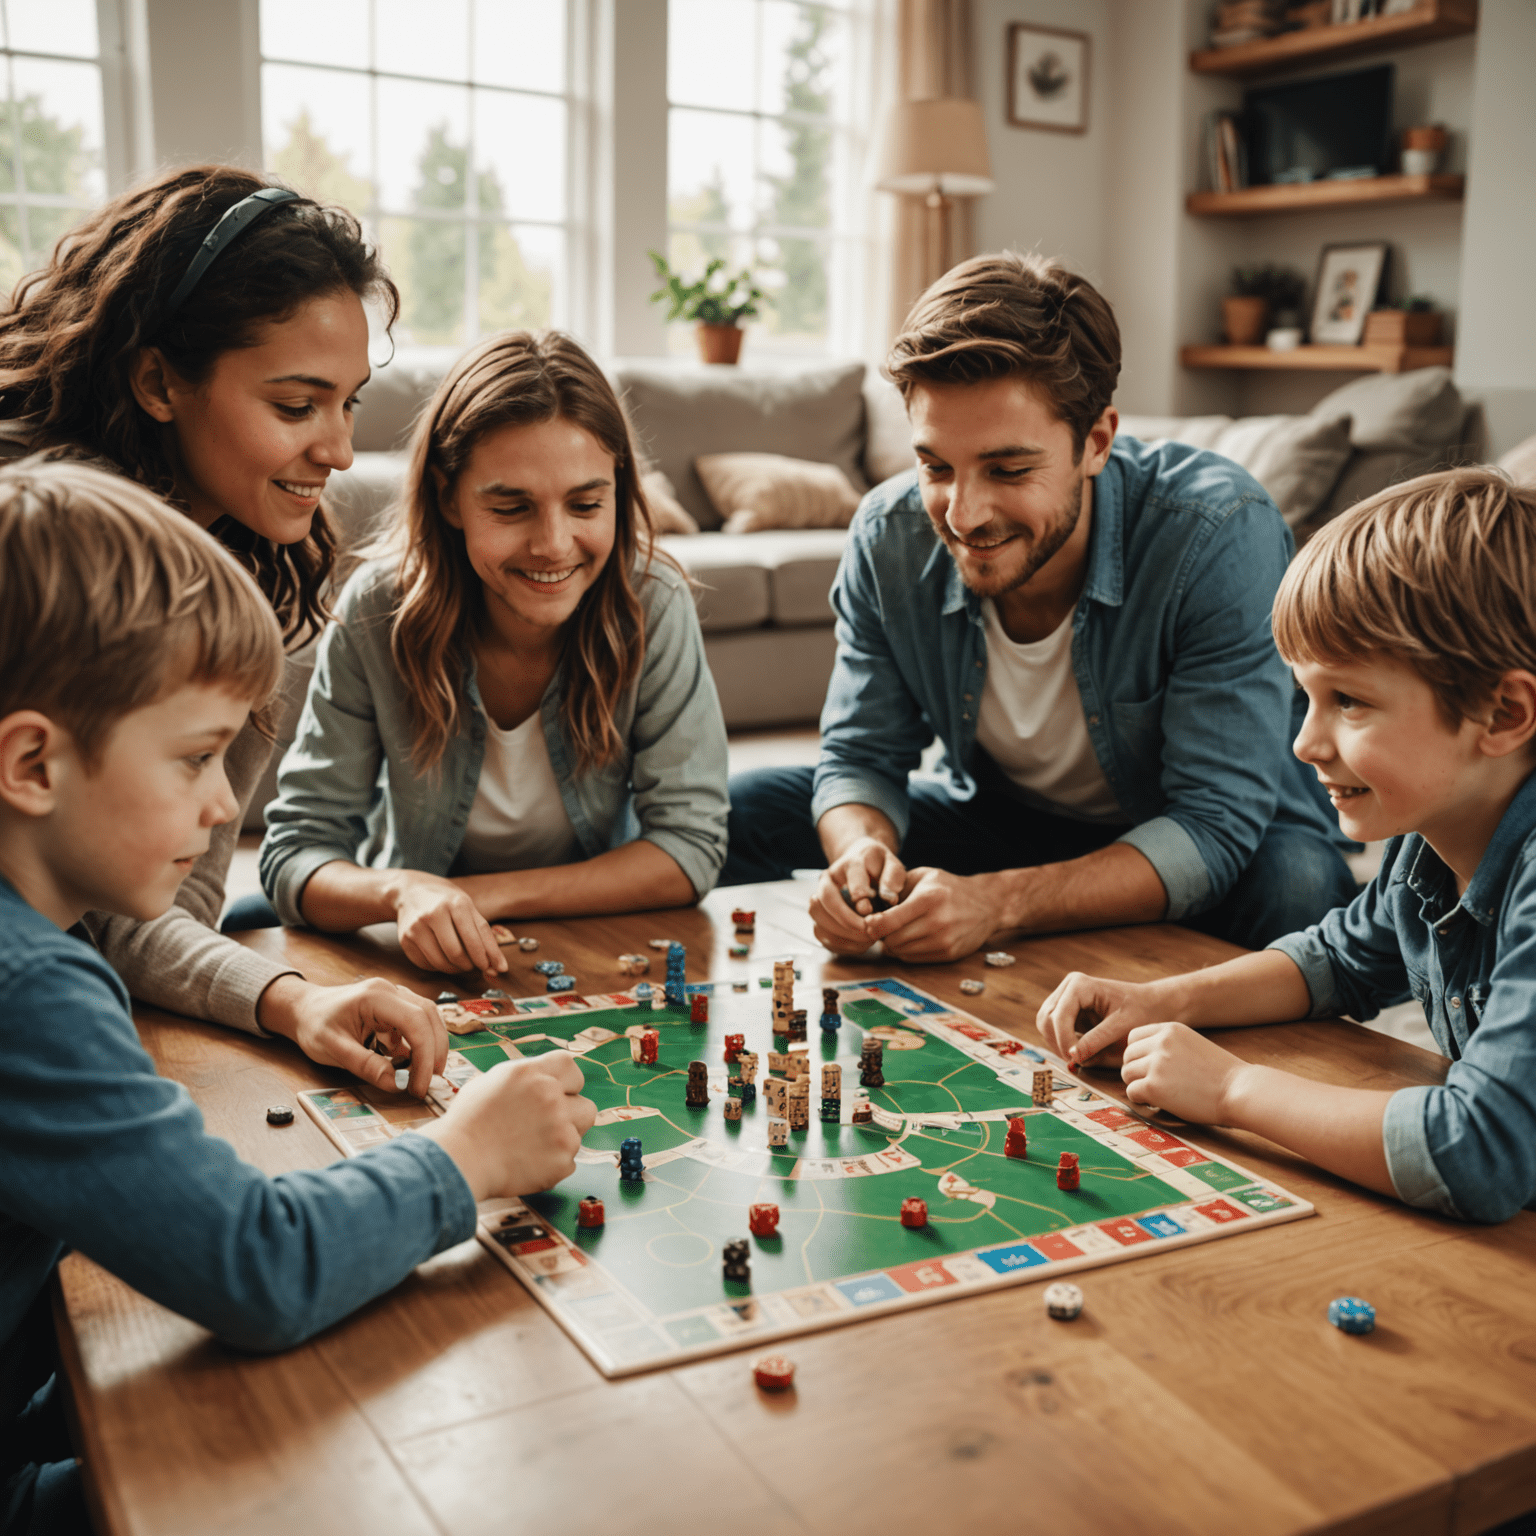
{"points": [[938, 145]]}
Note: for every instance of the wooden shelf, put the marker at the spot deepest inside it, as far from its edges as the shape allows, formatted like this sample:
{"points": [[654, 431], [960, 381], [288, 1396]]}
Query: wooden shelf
{"points": [[1309, 196], [1320, 359], [1427, 22]]}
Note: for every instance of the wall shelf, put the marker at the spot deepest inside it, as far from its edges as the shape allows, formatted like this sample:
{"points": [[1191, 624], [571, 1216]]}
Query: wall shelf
{"points": [[1388, 359], [1310, 196], [1427, 22]]}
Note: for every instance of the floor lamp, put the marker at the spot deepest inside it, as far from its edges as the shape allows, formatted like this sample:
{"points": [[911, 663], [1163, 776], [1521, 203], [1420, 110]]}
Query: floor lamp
{"points": [[937, 150]]}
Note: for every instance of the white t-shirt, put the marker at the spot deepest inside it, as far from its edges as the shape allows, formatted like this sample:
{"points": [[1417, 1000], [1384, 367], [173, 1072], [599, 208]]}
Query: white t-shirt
{"points": [[1031, 724], [518, 820]]}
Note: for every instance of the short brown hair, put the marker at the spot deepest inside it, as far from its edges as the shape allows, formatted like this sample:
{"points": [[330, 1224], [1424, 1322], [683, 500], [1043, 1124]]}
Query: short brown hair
{"points": [[993, 316], [1439, 572], [109, 599]]}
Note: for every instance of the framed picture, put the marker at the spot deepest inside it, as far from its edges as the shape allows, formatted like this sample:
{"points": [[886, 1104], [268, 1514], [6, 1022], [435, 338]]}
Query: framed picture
{"points": [[1048, 78], [1348, 277]]}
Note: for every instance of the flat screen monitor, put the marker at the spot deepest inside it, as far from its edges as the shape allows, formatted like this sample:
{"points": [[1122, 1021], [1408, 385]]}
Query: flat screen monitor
{"points": [[1306, 130]]}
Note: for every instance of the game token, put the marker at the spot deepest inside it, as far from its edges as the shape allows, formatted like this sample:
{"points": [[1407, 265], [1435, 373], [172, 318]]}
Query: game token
{"points": [[634, 965], [914, 1212], [590, 1212], [763, 1218], [503, 935], [549, 967], [1063, 1301], [740, 952], [560, 984], [631, 1169], [971, 988], [862, 1113], [1016, 1142], [677, 977], [1350, 1314], [447, 997], [528, 945], [773, 1373], [280, 1114], [877, 903], [1040, 1086], [643, 989], [735, 1254], [734, 1046], [999, 957], [495, 994], [778, 1131], [1067, 1174], [650, 1043], [698, 1008], [732, 1109], [659, 943], [742, 920]]}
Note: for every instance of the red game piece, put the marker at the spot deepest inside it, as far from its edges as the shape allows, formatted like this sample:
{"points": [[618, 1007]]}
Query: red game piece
{"points": [[1015, 1143], [698, 1008], [590, 1212], [650, 1043], [734, 1046], [763, 1219], [742, 920], [914, 1212], [773, 1373], [1067, 1176]]}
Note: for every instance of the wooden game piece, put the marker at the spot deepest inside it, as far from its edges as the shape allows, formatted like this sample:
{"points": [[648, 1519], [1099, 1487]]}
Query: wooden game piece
{"points": [[971, 987], [677, 978], [650, 1046], [871, 1059], [799, 1107], [589, 1213], [503, 934], [763, 1219], [773, 1373], [1352, 1314], [1063, 1301], [742, 920], [734, 1046], [527, 945], [732, 1108], [1040, 1090], [999, 957], [698, 1008], [797, 1024], [1016, 1142], [735, 1254], [831, 1080], [783, 995], [774, 1092], [914, 1212], [1067, 1174], [280, 1114], [778, 1131], [778, 1061], [697, 1092], [746, 1064]]}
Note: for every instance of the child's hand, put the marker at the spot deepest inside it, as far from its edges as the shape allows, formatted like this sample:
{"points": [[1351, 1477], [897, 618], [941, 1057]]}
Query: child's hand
{"points": [[1172, 1067], [1107, 1011], [516, 1129], [441, 929]]}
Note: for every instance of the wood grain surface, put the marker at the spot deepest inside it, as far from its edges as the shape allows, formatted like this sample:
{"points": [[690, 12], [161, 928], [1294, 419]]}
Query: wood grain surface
{"points": [[1201, 1391]]}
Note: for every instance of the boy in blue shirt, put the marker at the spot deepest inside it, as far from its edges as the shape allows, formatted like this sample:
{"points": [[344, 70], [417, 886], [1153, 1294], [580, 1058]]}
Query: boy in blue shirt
{"points": [[132, 649], [1410, 623]]}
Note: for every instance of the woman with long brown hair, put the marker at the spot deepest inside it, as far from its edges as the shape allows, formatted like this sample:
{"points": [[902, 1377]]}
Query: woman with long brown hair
{"points": [[204, 334], [512, 715]]}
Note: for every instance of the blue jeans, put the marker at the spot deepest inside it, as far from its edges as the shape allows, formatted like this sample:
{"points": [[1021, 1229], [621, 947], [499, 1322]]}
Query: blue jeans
{"points": [[1294, 877]]}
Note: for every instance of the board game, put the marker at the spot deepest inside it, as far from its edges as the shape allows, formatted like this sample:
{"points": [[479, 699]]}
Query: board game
{"points": [[646, 1288]]}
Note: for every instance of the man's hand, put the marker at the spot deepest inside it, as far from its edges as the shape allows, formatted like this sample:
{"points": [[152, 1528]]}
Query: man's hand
{"points": [[1105, 1011], [441, 928], [333, 1025], [940, 917], [866, 868], [1173, 1067]]}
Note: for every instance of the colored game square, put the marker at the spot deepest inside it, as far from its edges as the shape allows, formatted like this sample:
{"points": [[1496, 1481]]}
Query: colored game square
{"points": [[1220, 1210], [1184, 1157], [1126, 1232], [537, 1245], [867, 1291], [1160, 1224], [1054, 1246], [1111, 1119], [1153, 1140], [688, 1331], [1219, 1176], [1009, 1260], [1261, 1200], [926, 1275]]}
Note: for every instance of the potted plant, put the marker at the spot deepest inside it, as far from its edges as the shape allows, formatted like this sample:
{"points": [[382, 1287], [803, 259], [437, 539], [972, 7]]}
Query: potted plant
{"points": [[717, 304], [1257, 294], [1411, 322]]}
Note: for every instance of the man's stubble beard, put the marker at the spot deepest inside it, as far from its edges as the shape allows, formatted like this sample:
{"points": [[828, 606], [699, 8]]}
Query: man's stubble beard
{"points": [[1061, 528]]}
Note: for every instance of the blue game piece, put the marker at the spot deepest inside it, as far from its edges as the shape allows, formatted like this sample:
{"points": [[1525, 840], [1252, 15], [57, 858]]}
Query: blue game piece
{"points": [[548, 967], [631, 1169], [643, 989], [560, 984], [831, 1022], [1350, 1314], [676, 993]]}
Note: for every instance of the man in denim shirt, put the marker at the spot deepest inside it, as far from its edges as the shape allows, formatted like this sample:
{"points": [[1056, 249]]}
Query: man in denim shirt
{"points": [[1085, 625]]}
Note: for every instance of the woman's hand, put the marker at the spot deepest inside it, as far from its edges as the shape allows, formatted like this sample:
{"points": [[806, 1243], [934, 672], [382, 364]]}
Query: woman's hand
{"points": [[441, 929]]}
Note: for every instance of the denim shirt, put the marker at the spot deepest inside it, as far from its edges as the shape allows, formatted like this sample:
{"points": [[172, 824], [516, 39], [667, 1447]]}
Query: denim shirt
{"points": [[348, 789], [1468, 1148], [1187, 702], [102, 1154]]}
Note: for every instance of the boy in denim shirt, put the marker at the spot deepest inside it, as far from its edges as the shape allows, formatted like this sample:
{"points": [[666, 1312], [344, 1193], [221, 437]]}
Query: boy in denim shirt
{"points": [[132, 649], [1411, 625]]}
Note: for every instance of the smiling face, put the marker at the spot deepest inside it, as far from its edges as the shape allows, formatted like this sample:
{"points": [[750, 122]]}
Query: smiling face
{"points": [[259, 437], [1000, 480], [537, 507]]}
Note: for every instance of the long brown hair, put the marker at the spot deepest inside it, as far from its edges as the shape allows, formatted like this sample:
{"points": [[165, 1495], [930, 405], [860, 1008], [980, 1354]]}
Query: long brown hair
{"points": [[514, 379], [72, 330]]}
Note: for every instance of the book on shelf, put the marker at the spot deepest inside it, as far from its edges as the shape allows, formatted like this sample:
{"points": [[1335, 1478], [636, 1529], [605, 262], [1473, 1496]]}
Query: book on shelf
{"points": [[1226, 156]]}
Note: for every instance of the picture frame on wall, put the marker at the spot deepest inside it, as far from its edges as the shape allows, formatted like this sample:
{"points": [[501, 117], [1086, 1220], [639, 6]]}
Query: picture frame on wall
{"points": [[1348, 280], [1048, 78]]}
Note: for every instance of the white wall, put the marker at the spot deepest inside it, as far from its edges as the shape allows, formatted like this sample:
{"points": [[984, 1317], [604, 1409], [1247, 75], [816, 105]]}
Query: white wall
{"points": [[204, 92]]}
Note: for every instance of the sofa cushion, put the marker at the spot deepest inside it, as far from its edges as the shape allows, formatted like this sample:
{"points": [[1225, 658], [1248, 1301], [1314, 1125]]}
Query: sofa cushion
{"points": [[682, 411], [358, 498], [666, 510], [1416, 410], [888, 433], [1197, 431], [392, 399], [750, 579], [757, 491], [733, 587]]}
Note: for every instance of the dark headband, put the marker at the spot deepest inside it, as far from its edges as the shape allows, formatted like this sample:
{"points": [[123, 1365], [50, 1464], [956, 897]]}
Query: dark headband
{"points": [[225, 233]]}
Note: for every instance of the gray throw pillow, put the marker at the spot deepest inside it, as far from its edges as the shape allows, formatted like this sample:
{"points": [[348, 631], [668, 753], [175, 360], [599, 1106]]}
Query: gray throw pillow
{"points": [[1413, 411]]}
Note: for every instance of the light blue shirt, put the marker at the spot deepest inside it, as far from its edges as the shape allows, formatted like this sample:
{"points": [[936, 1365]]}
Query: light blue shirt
{"points": [[348, 789], [1468, 1148], [1187, 702]]}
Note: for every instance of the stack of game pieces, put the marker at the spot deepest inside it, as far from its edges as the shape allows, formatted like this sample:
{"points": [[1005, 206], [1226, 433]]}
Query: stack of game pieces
{"points": [[871, 1062], [1041, 1085], [735, 1254], [746, 1065], [677, 976], [783, 995], [698, 1086], [1067, 1175], [831, 1019], [631, 1169], [800, 1104], [831, 1092], [1015, 1143], [796, 1024], [698, 1008]]}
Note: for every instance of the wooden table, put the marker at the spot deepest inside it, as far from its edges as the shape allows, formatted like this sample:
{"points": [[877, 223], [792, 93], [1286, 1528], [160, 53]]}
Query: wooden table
{"points": [[1202, 1390]]}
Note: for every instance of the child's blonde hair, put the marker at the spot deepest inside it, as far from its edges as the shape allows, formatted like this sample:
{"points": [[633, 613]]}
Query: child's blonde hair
{"points": [[109, 599], [1439, 572]]}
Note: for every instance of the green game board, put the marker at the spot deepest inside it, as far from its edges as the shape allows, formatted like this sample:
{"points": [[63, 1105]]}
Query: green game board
{"points": [[646, 1289]]}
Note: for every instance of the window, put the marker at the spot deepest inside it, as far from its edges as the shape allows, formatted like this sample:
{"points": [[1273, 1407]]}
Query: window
{"points": [[762, 158], [444, 128], [52, 151]]}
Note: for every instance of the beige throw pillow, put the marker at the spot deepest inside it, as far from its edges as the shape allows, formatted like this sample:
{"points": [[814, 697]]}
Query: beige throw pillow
{"points": [[752, 491], [666, 510], [1520, 463]]}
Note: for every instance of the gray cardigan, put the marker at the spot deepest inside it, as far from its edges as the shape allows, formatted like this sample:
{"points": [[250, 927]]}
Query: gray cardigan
{"points": [[347, 788]]}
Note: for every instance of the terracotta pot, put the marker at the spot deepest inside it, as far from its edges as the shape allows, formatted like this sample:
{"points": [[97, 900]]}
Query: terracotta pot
{"points": [[1243, 320], [718, 343], [1432, 138]]}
